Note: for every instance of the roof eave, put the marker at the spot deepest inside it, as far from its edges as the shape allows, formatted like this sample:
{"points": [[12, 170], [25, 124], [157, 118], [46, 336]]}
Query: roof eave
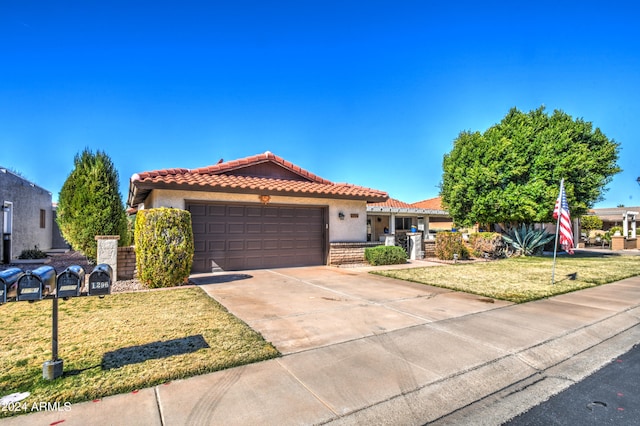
{"points": [[141, 191]]}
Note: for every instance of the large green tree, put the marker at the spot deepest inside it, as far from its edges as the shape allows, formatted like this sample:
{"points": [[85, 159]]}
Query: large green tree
{"points": [[90, 203], [512, 171]]}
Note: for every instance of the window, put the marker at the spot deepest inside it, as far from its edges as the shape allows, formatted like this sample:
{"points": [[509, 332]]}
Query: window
{"points": [[403, 223], [43, 218]]}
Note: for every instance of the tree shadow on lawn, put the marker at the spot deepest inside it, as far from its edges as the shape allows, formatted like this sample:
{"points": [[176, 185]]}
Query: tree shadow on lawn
{"points": [[155, 350]]}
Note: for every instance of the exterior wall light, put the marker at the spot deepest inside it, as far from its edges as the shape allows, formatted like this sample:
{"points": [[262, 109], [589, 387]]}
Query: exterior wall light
{"points": [[341, 216]]}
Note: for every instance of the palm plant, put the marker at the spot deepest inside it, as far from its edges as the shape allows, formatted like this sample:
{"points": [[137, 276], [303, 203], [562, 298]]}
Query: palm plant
{"points": [[526, 241]]}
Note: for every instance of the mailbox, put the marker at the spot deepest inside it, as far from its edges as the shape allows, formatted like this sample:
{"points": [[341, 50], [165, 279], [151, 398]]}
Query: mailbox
{"points": [[8, 280], [100, 280], [36, 284], [70, 282]]}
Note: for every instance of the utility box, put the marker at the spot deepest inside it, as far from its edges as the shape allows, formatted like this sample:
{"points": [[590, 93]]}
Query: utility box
{"points": [[8, 279], [100, 280], [36, 284], [70, 282]]}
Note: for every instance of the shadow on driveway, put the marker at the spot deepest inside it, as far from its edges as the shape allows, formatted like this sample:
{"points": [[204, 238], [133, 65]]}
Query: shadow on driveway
{"points": [[205, 279]]}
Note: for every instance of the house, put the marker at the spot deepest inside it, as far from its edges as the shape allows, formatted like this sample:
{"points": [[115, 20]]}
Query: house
{"points": [[625, 217], [397, 217], [26, 220], [258, 212]]}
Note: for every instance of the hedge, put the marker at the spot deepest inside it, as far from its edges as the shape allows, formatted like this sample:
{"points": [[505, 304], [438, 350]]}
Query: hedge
{"points": [[450, 243], [164, 246], [385, 255]]}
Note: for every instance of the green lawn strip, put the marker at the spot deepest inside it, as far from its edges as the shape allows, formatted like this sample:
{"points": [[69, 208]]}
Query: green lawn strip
{"points": [[523, 279], [121, 343]]}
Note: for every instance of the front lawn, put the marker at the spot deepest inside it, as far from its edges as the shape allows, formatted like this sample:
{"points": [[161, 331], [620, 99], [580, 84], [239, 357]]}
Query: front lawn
{"points": [[123, 342], [523, 279]]}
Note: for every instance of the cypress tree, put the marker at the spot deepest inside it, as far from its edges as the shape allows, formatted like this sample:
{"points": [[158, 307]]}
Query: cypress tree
{"points": [[90, 203]]}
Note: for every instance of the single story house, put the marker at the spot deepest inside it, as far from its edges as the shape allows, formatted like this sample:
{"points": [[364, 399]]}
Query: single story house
{"points": [[258, 212], [397, 217], [625, 217], [27, 219]]}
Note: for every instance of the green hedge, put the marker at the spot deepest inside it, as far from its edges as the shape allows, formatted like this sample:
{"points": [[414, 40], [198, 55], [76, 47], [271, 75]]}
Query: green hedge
{"points": [[164, 246], [385, 255], [450, 243]]}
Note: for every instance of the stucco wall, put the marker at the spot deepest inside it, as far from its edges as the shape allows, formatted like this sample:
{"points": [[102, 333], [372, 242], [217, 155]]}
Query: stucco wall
{"points": [[27, 200], [353, 228]]}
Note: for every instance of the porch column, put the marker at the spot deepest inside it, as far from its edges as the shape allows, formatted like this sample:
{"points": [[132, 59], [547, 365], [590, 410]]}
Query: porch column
{"points": [[392, 224]]}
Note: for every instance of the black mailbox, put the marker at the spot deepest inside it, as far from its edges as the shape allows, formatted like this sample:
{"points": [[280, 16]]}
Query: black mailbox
{"points": [[36, 284], [100, 280], [70, 282], [8, 279]]}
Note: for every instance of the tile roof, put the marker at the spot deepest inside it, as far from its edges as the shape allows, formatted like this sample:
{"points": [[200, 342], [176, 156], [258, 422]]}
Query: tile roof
{"points": [[392, 202], [228, 177], [431, 203], [395, 206]]}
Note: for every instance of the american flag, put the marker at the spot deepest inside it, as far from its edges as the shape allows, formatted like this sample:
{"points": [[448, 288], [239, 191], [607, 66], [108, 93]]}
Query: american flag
{"points": [[562, 209]]}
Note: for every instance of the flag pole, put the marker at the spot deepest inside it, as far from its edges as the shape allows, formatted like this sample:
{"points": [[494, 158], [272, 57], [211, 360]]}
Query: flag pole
{"points": [[555, 245]]}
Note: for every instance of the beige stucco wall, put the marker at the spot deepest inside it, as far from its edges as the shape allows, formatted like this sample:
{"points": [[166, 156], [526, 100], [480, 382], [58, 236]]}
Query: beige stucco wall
{"points": [[350, 229]]}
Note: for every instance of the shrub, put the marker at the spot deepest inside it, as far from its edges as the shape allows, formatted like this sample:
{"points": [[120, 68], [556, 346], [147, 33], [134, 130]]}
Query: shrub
{"points": [[385, 255], [90, 203], [489, 243], [614, 229], [450, 243], [34, 253], [527, 241], [164, 246]]}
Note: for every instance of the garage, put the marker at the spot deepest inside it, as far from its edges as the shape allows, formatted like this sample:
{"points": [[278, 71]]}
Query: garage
{"points": [[235, 236]]}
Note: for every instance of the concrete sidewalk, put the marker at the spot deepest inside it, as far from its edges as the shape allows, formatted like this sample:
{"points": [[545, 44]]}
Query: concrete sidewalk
{"points": [[456, 362]]}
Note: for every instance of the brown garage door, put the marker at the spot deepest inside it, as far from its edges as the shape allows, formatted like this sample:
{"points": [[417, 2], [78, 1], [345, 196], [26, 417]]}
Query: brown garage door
{"points": [[238, 236]]}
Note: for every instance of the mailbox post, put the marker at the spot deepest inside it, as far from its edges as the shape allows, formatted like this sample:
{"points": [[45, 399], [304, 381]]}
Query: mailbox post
{"points": [[68, 284], [8, 280], [41, 283]]}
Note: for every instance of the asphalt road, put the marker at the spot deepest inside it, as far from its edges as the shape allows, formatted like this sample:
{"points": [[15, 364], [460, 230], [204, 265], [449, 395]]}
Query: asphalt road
{"points": [[610, 396]]}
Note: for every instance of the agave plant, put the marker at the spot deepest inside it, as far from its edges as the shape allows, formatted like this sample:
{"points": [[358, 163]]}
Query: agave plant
{"points": [[527, 241]]}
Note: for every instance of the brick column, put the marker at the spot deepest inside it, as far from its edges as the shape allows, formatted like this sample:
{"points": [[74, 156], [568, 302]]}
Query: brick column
{"points": [[108, 252]]}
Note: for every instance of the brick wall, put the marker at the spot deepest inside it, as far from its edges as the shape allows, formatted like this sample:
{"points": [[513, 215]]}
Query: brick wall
{"points": [[126, 263], [430, 248], [348, 253]]}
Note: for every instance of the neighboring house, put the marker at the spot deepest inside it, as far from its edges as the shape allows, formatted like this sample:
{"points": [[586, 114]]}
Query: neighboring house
{"points": [[624, 217], [397, 217], [26, 220], [258, 212], [440, 220]]}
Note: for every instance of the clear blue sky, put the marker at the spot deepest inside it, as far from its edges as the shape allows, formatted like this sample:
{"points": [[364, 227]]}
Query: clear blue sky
{"points": [[367, 92]]}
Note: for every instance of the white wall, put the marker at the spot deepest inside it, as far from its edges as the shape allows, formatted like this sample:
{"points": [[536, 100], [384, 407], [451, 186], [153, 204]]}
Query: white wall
{"points": [[351, 229]]}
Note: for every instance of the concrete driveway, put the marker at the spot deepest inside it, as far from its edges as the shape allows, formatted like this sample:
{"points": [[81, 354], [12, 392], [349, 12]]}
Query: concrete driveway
{"points": [[297, 309]]}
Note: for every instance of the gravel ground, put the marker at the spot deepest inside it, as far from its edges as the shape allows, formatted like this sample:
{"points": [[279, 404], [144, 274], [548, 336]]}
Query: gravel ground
{"points": [[62, 260]]}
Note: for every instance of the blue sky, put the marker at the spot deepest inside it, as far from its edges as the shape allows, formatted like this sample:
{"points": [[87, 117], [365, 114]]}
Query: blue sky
{"points": [[367, 92]]}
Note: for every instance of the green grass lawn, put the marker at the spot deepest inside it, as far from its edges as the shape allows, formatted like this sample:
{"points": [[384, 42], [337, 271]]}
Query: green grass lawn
{"points": [[123, 342], [523, 279]]}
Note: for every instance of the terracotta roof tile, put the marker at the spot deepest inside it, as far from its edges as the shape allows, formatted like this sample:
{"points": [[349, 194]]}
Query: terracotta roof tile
{"points": [[392, 202], [431, 203], [220, 177]]}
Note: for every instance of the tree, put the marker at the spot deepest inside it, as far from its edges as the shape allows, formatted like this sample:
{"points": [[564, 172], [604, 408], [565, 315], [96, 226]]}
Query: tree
{"points": [[590, 223], [90, 203], [512, 171]]}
